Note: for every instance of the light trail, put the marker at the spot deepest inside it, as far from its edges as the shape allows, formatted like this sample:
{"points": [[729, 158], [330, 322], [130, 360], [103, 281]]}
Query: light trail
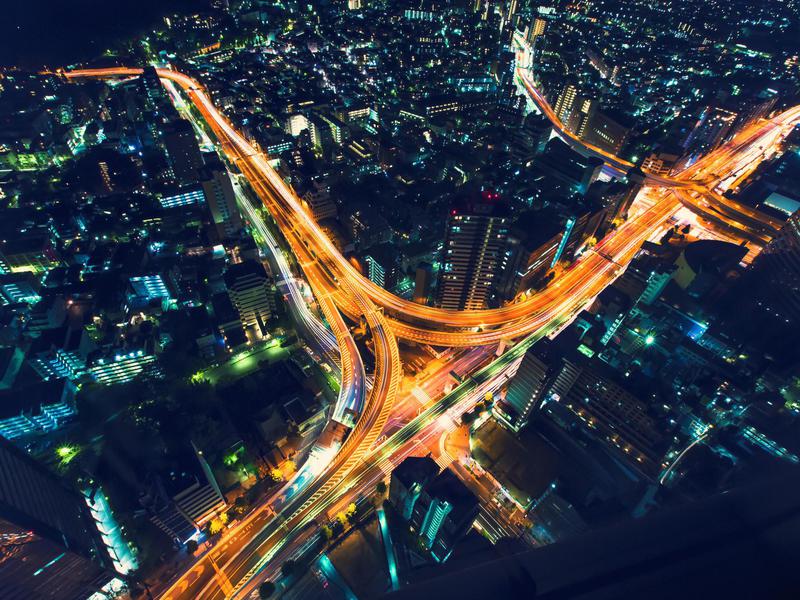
{"points": [[698, 177], [352, 377], [338, 286]]}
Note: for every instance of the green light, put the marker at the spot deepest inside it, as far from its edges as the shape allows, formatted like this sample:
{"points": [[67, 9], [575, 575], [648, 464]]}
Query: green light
{"points": [[649, 340], [66, 453]]}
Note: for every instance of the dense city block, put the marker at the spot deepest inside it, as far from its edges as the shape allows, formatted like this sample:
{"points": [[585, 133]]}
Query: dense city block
{"points": [[407, 298]]}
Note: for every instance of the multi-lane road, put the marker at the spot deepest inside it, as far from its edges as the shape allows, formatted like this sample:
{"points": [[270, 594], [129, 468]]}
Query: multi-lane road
{"points": [[278, 529]]}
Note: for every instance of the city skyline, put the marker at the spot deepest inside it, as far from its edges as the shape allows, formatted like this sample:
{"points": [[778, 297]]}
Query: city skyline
{"points": [[334, 299]]}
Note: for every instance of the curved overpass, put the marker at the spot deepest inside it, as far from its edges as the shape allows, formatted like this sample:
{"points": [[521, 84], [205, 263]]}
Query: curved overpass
{"points": [[388, 370], [411, 320], [700, 176], [338, 286]]}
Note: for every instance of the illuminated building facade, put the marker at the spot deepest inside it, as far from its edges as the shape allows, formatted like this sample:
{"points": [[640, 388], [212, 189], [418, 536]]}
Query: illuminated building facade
{"points": [[566, 102], [443, 514], [473, 253], [182, 150], [526, 389], [50, 546], [251, 294], [408, 479], [119, 367], [616, 415], [221, 201], [186, 196]]}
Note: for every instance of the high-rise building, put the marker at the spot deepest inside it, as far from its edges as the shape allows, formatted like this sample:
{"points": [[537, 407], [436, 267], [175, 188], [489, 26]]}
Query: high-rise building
{"points": [[605, 130], [383, 265], [563, 163], [221, 200], [318, 200], [775, 276], [582, 113], [438, 508], [511, 13], [423, 279], [355, 4], [151, 85], [538, 129], [566, 102], [408, 479], [296, 124], [536, 29], [182, 150], [710, 131], [50, 546], [443, 514], [182, 196], [526, 389], [473, 252], [251, 294], [620, 419]]}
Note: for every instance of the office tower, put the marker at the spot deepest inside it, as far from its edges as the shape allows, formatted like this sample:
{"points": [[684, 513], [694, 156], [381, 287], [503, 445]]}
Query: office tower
{"points": [[50, 547], [583, 111], [221, 200], [321, 133], [561, 162], [296, 124], [473, 252], [538, 129], [383, 265], [612, 413], [319, 202], [536, 29], [710, 131], [605, 130], [423, 279], [251, 294], [354, 4], [182, 150], [152, 87], [338, 129], [408, 479], [443, 514], [526, 389], [181, 502], [513, 5], [565, 103], [775, 277], [516, 259]]}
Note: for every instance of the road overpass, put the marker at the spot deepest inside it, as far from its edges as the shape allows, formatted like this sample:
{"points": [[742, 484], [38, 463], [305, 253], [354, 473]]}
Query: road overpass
{"points": [[338, 286]]}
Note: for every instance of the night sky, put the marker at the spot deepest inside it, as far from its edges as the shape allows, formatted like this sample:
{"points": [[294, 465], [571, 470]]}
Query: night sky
{"points": [[56, 32]]}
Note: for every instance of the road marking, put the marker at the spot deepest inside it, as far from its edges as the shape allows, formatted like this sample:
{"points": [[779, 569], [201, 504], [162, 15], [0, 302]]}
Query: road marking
{"points": [[420, 395], [224, 583]]}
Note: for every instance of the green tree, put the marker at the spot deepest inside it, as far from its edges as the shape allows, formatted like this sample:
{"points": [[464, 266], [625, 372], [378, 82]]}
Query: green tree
{"points": [[266, 589], [191, 546], [288, 568], [327, 532], [381, 487]]}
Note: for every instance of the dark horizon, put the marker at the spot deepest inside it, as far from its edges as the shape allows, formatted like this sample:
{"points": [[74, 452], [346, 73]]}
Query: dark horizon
{"points": [[56, 33]]}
